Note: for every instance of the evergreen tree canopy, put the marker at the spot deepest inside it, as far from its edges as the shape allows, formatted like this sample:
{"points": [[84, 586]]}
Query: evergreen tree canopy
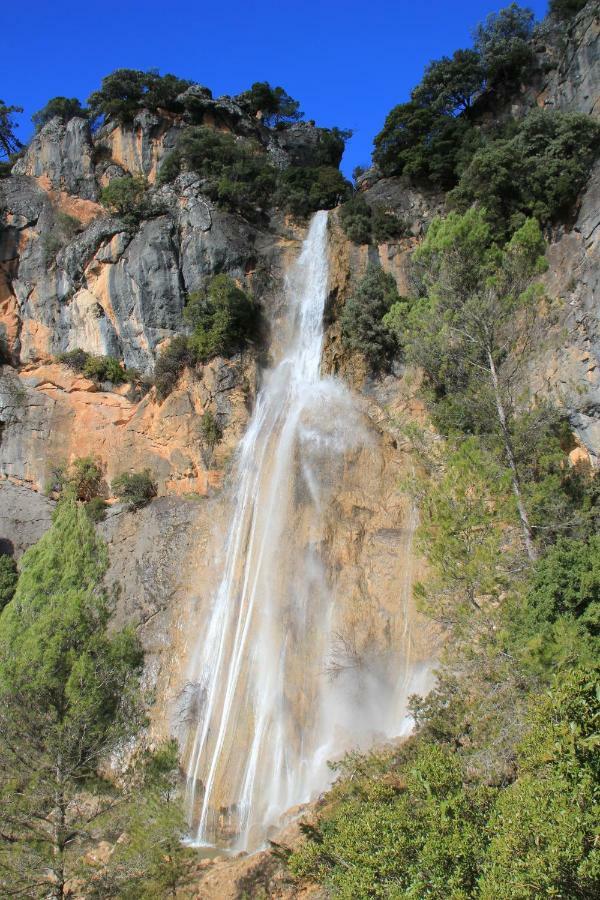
{"points": [[9, 143], [68, 699], [64, 108]]}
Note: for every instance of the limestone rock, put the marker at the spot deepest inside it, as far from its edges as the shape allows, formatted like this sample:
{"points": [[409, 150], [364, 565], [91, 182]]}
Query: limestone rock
{"points": [[61, 157], [24, 517]]}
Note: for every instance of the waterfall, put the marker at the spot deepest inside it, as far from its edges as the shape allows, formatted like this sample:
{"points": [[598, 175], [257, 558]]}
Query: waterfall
{"points": [[266, 716]]}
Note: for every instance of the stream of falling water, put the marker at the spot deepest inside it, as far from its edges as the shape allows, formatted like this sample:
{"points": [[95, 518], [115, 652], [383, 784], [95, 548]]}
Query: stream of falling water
{"points": [[267, 718]]}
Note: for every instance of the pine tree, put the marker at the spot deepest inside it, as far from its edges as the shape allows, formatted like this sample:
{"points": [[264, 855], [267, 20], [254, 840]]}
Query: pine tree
{"points": [[68, 700]]}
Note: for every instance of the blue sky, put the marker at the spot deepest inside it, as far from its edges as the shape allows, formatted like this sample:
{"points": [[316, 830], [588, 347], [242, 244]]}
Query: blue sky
{"points": [[347, 62]]}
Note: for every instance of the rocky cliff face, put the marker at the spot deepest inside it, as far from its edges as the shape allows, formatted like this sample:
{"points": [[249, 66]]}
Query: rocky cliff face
{"points": [[110, 289]]}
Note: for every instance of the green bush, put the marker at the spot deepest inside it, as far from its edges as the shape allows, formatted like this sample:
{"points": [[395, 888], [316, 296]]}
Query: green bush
{"points": [[363, 224], [304, 190], [96, 509], [211, 430], [170, 364], [104, 368], [424, 144], [544, 828], [8, 579], [135, 489], [127, 197], [408, 829], [385, 226], [98, 368], [74, 359], [363, 328], [539, 171], [503, 42], [355, 219], [237, 173], [126, 91], [64, 108], [274, 104], [222, 316], [82, 479]]}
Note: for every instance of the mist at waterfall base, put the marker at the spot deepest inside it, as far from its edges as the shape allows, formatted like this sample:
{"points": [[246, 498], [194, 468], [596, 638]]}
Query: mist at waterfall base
{"points": [[272, 698]]}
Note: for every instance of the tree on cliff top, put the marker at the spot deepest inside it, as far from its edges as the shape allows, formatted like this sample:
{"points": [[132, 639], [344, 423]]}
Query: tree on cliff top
{"points": [[9, 143], [273, 104], [126, 91], [64, 108]]}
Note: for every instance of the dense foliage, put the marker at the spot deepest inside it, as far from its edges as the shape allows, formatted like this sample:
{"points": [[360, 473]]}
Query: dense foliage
{"points": [[9, 143], [364, 224], [135, 489], [363, 328], [235, 171], [538, 170], [98, 368], [127, 197], [68, 699], [503, 43], [124, 92], [304, 189], [565, 9], [414, 824], [272, 104], [64, 108], [8, 579], [441, 136], [222, 317]]}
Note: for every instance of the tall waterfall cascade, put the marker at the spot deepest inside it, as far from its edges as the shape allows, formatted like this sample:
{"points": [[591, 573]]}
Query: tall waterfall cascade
{"points": [[267, 714]]}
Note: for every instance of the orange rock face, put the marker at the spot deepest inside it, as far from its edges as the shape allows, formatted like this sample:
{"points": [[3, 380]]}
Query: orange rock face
{"points": [[122, 433]]}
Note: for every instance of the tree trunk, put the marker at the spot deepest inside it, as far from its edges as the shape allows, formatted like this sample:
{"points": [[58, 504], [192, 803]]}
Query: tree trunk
{"points": [[508, 448], [58, 888]]}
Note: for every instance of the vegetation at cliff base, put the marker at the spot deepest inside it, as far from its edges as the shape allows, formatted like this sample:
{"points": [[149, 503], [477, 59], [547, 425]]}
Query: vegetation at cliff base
{"points": [[68, 693], [70, 707]]}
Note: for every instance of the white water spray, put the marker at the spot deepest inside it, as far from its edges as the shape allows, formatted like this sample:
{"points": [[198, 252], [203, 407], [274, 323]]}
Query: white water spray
{"points": [[266, 717]]}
